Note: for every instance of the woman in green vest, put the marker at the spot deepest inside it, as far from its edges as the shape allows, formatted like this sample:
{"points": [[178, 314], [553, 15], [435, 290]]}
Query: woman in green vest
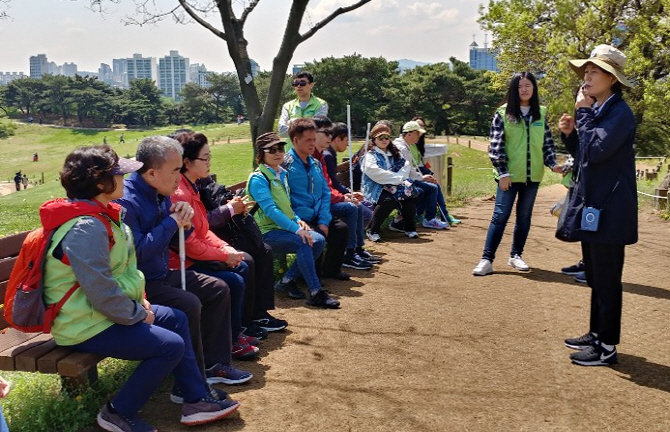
{"points": [[521, 145], [282, 229]]}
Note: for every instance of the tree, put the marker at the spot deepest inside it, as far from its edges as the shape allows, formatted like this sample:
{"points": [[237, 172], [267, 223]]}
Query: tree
{"points": [[23, 94], [231, 31], [57, 95], [90, 98], [542, 35], [143, 103], [353, 80]]}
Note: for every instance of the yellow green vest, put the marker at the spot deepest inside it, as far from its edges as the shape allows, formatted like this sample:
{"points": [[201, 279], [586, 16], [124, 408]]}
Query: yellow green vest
{"points": [[295, 111], [78, 321], [280, 195], [516, 147]]}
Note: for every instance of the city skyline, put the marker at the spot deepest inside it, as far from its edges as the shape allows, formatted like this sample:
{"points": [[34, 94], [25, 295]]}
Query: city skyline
{"points": [[68, 32]]}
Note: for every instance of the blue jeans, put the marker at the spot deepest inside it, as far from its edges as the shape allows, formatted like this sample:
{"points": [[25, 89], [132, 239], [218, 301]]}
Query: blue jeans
{"points": [[428, 200], [163, 347], [526, 193], [236, 279], [3, 422], [352, 215], [283, 242]]}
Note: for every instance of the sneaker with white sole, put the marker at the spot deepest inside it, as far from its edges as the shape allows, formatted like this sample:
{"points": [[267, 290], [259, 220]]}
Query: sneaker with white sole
{"points": [[226, 374], [484, 268], [517, 263], [356, 262], [595, 355], [412, 234], [207, 410], [373, 236], [581, 277], [177, 397], [397, 226], [434, 224], [574, 269], [581, 342]]}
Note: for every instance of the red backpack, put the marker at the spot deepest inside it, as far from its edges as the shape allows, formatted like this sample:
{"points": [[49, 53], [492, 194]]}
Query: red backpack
{"points": [[25, 309]]}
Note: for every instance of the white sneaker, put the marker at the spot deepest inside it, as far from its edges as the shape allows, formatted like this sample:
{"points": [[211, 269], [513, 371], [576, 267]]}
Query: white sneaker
{"points": [[517, 263], [434, 224], [375, 237], [412, 234], [485, 267]]}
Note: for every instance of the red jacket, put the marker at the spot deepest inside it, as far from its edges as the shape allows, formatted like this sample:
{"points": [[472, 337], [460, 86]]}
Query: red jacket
{"points": [[335, 195], [202, 244]]}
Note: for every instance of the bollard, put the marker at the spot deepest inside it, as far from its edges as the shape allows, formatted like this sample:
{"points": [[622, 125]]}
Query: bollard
{"points": [[449, 174], [228, 140], [42, 179], [469, 144], [456, 139], [661, 203]]}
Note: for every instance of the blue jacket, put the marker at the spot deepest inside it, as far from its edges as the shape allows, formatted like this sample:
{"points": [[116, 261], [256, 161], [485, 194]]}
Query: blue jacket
{"points": [[148, 216], [604, 173], [310, 194]]}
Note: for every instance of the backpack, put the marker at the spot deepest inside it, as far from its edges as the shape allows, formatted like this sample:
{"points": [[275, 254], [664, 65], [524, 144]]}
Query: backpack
{"points": [[25, 309]]}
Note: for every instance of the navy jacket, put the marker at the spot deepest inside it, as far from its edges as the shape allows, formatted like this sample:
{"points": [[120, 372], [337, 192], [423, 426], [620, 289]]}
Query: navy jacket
{"points": [[604, 177], [148, 216]]}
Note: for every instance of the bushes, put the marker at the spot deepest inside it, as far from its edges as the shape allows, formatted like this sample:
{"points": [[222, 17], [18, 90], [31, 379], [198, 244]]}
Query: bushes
{"points": [[6, 129]]}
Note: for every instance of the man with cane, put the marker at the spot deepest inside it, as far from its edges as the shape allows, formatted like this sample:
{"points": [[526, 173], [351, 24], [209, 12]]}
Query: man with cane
{"points": [[154, 221]]}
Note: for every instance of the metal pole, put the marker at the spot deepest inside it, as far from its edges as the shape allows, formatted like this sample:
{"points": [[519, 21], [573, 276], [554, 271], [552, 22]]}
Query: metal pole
{"points": [[351, 155]]}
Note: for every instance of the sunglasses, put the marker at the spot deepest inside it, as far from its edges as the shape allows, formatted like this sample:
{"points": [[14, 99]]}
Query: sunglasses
{"points": [[300, 83], [383, 137], [326, 132], [279, 148]]}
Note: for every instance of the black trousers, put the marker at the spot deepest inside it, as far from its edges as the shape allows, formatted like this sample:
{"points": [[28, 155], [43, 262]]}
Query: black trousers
{"points": [[206, 303], [604, 268], [385, 205], [330, 262], [259, 294]]}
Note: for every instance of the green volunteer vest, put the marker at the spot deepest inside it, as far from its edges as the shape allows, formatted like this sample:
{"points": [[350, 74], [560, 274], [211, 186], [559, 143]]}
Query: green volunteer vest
{"points": [[516, 146], [295, 111], [78, 320], [280, 195]]}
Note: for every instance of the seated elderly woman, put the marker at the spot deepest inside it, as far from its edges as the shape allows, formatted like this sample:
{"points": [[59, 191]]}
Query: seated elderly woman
{"points": [[205, 252], [386, 183], [91, 256], [282, 229]]}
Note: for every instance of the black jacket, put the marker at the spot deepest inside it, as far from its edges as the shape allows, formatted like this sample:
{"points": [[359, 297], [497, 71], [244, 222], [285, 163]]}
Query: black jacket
{"points": [[604, 176]]}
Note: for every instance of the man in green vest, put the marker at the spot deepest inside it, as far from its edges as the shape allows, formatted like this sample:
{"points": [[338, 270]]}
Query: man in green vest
{"points": [[306, 105]]}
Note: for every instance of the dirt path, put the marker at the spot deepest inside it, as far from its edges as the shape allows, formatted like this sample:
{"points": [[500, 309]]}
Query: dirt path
{"points": [[422, 345]]}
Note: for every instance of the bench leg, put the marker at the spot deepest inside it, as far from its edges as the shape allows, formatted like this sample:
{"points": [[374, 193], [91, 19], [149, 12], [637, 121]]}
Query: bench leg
{"points": [[72, 384]]}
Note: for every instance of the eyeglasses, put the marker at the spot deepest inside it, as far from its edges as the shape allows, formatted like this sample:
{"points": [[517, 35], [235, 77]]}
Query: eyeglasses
{"points": [[383, 137], [327, 132], [275, 149], [300, 83], [205, 159]]}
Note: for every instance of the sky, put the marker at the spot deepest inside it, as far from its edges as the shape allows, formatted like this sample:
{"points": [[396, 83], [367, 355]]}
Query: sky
{"points": [[69, 31]]}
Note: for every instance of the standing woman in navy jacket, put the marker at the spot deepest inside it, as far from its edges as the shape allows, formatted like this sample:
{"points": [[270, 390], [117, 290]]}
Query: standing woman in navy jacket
{"points": [[600, 138]]}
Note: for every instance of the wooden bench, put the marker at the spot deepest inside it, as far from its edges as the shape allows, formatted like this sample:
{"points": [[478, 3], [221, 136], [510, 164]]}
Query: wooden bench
{"points": [[37, 352]]}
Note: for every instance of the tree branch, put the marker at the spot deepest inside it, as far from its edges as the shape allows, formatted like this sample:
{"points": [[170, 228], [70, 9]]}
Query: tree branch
{"points": [[337, 12], [201, 21], [248, 10]]}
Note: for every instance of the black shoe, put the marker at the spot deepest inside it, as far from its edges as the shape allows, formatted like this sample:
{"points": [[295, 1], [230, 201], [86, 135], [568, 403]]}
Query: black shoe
{"points": [[580, 277], [595, 355], [290, 289], [367, 256], [356, 262], [323, 300], [270, 323], [582, 342], [339, 276], [573, 270], [397, 226], [254, 330]]}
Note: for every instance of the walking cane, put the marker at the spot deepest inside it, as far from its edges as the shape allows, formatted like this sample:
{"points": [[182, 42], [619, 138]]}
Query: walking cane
{"points": [[182, 257]]}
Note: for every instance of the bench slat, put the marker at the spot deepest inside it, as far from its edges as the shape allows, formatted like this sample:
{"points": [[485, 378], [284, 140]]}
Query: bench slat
{"points": [[14, 342], [11, 245], [27, 360], [48, 363], [78, 363], [6, 265]]}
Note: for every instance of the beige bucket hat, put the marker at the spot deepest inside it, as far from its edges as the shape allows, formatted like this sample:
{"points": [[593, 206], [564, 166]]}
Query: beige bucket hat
{"points": [[607, 58]]}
